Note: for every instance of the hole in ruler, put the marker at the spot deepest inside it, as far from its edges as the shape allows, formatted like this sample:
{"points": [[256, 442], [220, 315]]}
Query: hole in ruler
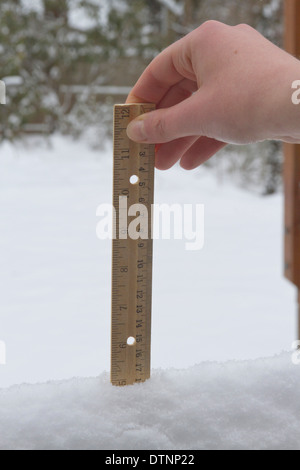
{"points": [[134, 179], [130, 341]]}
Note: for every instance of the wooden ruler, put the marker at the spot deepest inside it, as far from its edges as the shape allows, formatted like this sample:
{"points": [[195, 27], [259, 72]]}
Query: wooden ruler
{"points": [[131, 258]]}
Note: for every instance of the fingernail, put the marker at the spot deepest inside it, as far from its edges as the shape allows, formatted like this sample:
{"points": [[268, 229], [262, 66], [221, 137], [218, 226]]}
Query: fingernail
{"points": [[136, 130]]}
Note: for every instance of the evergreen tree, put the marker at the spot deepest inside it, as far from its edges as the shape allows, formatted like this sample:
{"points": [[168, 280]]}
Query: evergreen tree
{"points": [[46, 49], [92, 42]]}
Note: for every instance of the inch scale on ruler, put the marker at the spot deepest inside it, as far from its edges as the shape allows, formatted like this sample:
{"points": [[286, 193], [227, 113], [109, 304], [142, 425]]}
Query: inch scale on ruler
{"points": [[133, 183]]}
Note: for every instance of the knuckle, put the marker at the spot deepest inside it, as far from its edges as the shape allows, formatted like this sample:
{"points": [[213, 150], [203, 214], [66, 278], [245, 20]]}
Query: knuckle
{"points": [[210, 26], [244, 26], [159, 127], [207, 33]]}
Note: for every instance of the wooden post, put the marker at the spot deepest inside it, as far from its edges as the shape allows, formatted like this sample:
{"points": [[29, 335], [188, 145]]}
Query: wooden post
{"points": [[292, 165]]}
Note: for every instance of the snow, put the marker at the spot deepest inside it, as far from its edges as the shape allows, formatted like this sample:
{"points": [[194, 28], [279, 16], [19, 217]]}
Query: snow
{"points": [[176, 8], [236, 405], [271, 8], [35, 5], [96, 89], [227, 302], [13, 80], [78, 17]]}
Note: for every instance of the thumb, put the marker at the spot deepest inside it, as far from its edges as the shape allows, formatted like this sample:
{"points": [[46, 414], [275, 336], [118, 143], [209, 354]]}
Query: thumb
{"points": [[167, 124]]}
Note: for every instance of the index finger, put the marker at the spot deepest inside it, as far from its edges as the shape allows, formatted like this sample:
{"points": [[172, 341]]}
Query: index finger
{"points": [[170, 67]]}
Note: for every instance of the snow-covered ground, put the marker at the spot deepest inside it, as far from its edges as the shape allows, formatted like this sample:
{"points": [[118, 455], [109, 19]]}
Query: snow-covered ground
{"points": [[228, 301], [237, 405]]}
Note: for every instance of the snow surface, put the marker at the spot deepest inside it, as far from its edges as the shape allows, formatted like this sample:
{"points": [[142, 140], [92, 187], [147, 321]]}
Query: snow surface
{"points": [[235, 405], [228, 301]]}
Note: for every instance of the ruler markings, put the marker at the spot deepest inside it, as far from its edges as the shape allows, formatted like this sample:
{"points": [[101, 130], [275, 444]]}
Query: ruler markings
{"points": [[132, 259]]}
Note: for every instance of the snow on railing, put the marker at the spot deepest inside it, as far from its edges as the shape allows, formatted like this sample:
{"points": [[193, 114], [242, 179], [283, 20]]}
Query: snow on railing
{"points": [[2, 92], [13, 80], [96, 89]]}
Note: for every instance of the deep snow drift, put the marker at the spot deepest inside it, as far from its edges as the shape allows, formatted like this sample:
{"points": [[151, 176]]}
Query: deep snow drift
{"points": [[234, 405]]}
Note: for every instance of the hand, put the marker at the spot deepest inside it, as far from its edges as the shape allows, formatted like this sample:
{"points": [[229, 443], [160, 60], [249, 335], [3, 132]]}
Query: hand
{"points": [[219, 84]]}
